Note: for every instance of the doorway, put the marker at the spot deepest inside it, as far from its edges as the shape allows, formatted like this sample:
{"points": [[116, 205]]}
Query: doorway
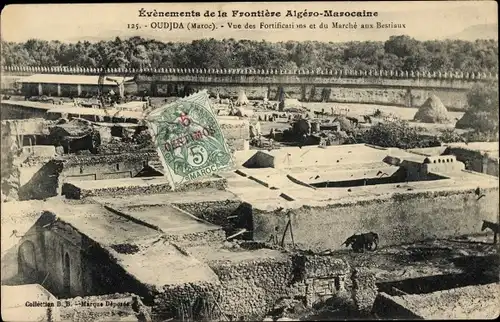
{"points": [[66, 275], [27, 262]]}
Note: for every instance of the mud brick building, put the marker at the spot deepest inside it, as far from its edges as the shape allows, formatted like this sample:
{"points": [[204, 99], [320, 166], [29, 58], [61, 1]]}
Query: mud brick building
{"points": [[108, 245], [74, 85], [400, 195]]}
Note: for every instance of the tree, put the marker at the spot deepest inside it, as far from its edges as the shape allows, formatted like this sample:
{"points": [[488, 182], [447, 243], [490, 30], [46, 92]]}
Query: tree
{"points": [[482, 112], [397, 53]]}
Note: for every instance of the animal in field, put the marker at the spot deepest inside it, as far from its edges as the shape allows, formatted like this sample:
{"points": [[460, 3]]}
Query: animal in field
{"points": [[491, 225], [361, 242], [353, 120], [479, 193]]}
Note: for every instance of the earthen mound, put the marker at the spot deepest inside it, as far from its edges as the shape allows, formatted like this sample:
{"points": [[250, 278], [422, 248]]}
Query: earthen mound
{"points": [[432, 111]]}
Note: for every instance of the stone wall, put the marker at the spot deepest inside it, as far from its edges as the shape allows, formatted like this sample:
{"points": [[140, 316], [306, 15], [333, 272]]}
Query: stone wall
{"points": [[475, 160], [9, 149], [14, 112], [110, 307], [187, 302], [251, 288], [199, 238], [45, 250], [216, 212], [402, 218], [320, 278], [137, 186], [41, 180], [353, 86], [255, 287], [364, 289]]}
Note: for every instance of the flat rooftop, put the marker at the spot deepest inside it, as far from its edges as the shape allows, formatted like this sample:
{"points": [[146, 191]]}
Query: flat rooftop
{"points": [[29, 104], [470, 302], [160, 263], [168, 219], [100, 224], [288, 185], [216, 255], [141, 230]]}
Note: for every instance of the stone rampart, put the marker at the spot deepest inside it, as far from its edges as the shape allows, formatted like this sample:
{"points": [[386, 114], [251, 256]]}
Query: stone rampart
{"points": [[389, 87]]}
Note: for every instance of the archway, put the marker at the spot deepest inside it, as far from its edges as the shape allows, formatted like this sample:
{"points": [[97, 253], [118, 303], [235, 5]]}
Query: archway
{"points": [[66, 275], [27, 262]]}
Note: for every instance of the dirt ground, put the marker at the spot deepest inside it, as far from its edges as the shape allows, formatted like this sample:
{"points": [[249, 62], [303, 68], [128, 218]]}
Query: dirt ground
{"points": [[460, 255]]}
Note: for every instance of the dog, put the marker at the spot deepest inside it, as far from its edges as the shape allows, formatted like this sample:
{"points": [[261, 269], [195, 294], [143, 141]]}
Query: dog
{"points": [[361, 242]]}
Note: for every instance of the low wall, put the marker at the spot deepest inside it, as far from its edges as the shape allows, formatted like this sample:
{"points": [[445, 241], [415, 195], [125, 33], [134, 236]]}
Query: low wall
{"points": [[214, 236], [187, 302], [14, 112], [258, 285], [215, 212], [402, 218], [470, 302], [475, 160], [386, 306], [251, 288], [319, 278], [43, 180], [135, 186]]}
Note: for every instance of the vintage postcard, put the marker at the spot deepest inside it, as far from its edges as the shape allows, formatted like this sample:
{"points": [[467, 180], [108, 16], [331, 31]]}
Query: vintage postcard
{"points": [[256, 161]]}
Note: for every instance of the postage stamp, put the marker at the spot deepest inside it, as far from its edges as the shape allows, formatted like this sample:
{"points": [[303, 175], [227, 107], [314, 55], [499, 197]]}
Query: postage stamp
{"points": [[189, 139]]}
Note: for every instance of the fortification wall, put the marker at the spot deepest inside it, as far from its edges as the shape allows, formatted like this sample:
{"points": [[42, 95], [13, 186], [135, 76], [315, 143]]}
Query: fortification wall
{"points": [[402, 88], [402, 218]]}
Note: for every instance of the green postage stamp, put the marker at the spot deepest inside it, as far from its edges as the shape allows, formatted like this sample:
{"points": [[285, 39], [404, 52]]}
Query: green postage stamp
{"points": [[189, 139]]}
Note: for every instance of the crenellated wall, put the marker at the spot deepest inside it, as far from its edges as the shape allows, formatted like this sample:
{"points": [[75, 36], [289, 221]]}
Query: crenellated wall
{"points": [[249, 72], [387, 87]]}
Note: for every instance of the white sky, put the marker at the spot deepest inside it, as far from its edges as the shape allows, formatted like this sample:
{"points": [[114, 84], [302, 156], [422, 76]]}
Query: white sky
{"points": [[73, 22]]}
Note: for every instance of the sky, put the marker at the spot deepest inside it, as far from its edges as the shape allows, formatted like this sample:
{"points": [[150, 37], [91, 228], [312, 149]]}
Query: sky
{"points": [[424, 20]]}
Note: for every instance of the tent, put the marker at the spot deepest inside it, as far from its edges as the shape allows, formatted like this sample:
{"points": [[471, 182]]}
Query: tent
{"points": [[291, 104], [242, 99], [432, 111]]}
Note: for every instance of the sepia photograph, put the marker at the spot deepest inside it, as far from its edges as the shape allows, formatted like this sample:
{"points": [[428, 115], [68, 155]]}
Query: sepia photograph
{"points": [[249, 161]]}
